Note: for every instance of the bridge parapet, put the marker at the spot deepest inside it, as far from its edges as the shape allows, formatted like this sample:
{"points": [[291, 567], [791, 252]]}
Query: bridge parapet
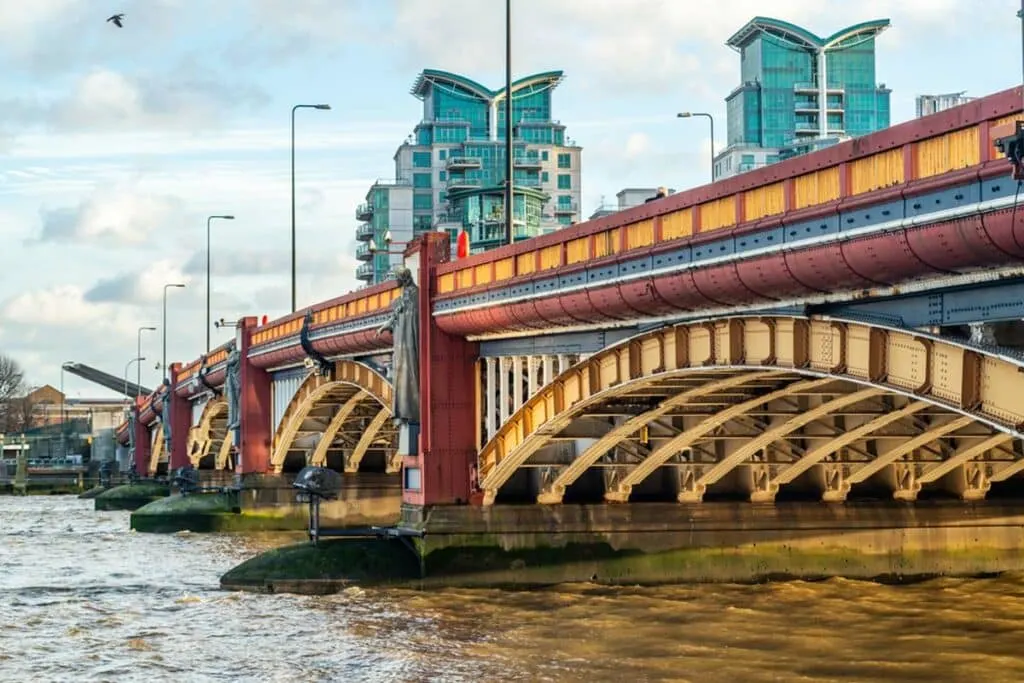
{"points": [[726, 244], [341, 326]]}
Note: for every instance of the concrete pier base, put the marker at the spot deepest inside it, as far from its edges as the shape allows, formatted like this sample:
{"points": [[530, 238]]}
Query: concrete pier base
{"points": [[668, 543], [267, 503], [130, 496]]}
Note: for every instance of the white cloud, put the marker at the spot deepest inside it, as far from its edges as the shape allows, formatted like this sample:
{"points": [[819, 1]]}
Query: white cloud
{"points": [[115, 217]]}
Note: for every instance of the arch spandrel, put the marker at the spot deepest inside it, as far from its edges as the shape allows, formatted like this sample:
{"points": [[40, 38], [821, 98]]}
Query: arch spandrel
{"points": [[950, 398], [351, 399], [210, 435], [156, 453]]}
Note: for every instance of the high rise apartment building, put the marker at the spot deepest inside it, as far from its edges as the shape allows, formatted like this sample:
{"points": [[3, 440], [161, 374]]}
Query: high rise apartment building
{"points": [[799, 92], [450, 173]]}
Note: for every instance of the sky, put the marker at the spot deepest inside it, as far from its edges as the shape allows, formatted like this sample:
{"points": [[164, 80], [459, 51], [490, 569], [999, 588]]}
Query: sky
{"points": [[116, 144]]}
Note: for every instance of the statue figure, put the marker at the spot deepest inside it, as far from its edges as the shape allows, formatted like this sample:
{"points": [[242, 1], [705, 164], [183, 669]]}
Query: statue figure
{"points": [[131, 434], [165, 415], [404, 324], [233, 385]]}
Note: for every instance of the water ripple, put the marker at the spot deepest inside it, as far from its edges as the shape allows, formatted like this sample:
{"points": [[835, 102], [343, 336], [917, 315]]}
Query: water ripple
{"points": [[82, 598]]}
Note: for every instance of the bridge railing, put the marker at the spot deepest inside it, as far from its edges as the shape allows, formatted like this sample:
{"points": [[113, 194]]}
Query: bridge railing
{"points": [[345, 324], [925, 149]]}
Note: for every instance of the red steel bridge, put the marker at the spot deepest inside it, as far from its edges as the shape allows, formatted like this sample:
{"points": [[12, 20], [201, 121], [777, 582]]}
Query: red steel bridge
{"points": [[838, 323]]}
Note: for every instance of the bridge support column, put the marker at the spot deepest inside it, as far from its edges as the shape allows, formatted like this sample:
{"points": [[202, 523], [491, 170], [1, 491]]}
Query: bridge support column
{"points": [[143, 443], [181, 422], [255, 408], [440, 473]]}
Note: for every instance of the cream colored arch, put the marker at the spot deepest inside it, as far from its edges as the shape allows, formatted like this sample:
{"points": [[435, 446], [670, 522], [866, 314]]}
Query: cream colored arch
{"points": [[156, 453], [953, 406], [210, 433], [351, 388]]}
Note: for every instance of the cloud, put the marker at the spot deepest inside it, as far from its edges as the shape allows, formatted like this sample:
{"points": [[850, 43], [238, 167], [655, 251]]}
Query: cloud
{"points": [[115, 217], [641, 46], [108, 100], [137, 287], [253, 262]]}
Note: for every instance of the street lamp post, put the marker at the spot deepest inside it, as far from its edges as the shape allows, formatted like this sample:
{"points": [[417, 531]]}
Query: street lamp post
{"points": [[208, 219], [63, 366], [510, 166], [711, 120], [138, 354], [163, 360], [297, 106], [137, 359]]}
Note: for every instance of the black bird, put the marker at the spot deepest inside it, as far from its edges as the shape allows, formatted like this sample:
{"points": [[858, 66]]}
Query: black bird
{"points": [[117, 20]]}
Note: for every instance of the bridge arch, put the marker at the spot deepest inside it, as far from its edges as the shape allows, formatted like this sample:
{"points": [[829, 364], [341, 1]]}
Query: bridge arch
{"points": [[209, 442], [762, 402], [157, 453], [349, 410]]}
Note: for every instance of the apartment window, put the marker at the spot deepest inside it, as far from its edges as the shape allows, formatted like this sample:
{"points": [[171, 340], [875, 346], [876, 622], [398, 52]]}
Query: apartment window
{"points": [[565, 219], [544, 176], [421, 180], [544, 155], [564, 181], [441, 154], [423, 201], [421, 159], [564, 161], [442, 196], [565, 200], [442, 175]]}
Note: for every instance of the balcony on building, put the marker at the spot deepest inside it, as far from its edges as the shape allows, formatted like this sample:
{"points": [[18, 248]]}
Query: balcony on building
{"points": [[461, 183], [529, 161], [459, 163], [364, 251], [364, 232], [364, 212], [813, 88], [565, 208], [365, 272]]}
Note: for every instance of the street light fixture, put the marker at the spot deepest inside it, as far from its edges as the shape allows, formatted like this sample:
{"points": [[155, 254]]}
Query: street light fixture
{"points": [[297, 106], [163, 361], [509, 162], [63, 367], [711, 121], [137, 359], [138, 353], [208, 219]]}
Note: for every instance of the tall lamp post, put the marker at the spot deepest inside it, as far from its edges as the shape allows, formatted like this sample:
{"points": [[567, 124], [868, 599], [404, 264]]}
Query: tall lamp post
{"points": [[63, 367], [711, 121], [510, 165], [138, 354], [297, 106], [163, 360], [137, 359], [208, 219]]}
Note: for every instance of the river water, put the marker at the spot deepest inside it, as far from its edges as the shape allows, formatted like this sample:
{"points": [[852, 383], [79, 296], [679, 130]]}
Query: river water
{"points": [[84, 599]]}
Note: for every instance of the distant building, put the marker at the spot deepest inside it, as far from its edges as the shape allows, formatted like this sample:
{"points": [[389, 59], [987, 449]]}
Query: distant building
{"points": [[800, 92], [933, 104], [450, 173], [627, 199]]}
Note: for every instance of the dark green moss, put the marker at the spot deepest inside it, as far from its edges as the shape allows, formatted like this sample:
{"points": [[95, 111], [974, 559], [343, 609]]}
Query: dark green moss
{"points": [[327, 567], [130, 496], [93, 492]]}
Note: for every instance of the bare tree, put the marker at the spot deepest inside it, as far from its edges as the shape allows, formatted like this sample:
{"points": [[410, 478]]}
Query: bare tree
{"points": [[12, 389]]}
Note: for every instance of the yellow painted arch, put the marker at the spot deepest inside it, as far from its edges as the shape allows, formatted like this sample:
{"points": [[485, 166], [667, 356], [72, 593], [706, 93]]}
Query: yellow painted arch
{"points": [[946, 390], [208, 432], [156, 453], [349, 385]]}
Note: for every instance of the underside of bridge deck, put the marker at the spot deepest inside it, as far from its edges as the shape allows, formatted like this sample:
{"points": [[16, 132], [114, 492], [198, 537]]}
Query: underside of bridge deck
{"points": [[764, 408]]}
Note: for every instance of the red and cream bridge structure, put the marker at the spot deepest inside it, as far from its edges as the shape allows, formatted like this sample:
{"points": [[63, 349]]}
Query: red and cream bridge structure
{"points": [[837, 324]]}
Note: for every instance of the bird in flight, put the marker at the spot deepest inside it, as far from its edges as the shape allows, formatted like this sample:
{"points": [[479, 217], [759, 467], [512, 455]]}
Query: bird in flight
{"points": [[117, 18]]}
